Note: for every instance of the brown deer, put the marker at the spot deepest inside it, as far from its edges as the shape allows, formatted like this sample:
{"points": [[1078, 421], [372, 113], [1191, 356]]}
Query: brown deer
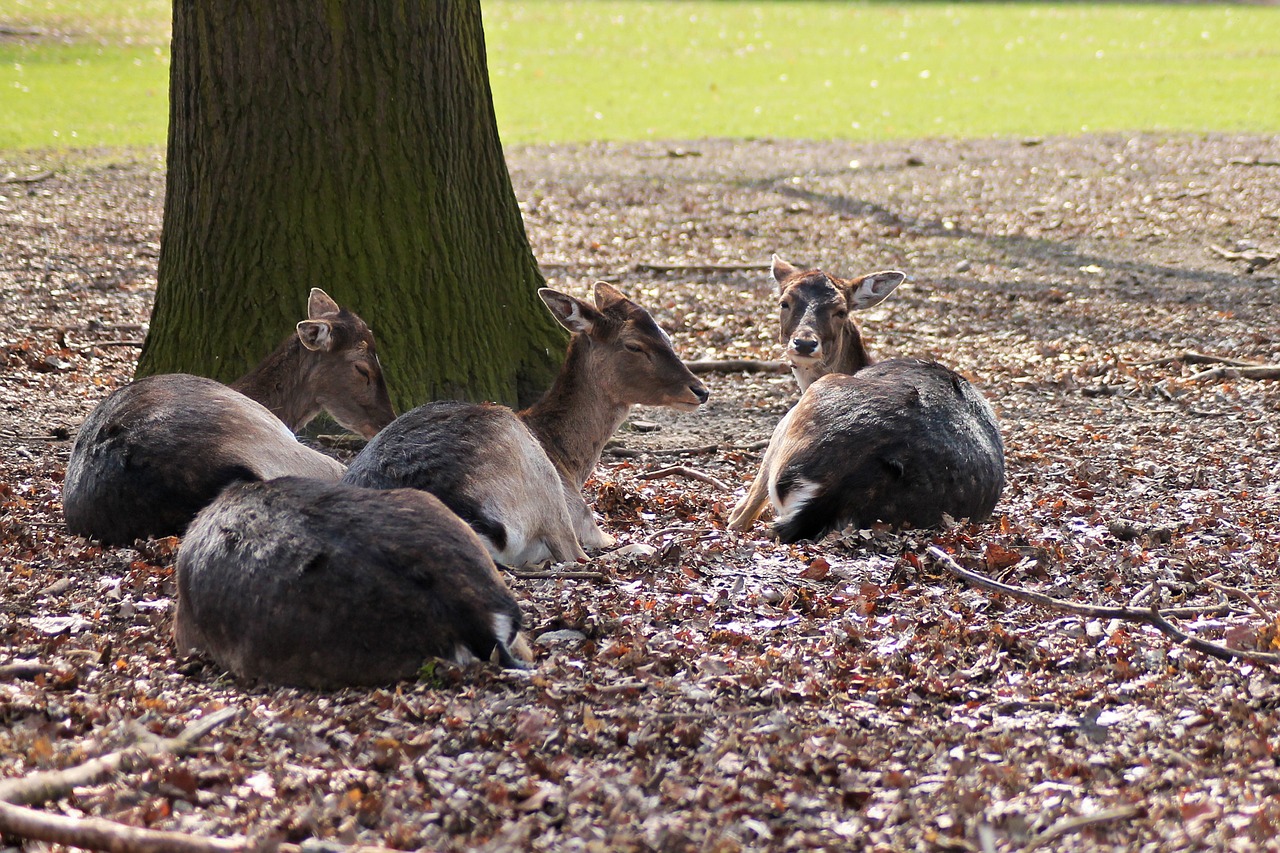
{"points": [[903, 441], [517, 478], [322, 585], [817, 330], [157, 450]]}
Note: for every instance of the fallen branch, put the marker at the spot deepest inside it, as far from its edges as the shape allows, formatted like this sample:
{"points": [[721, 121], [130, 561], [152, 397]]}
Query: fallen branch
{"points": [[553, 575], [1152, 617], [1255, 259], [1259, 371], [736, 365], [11, 178], [50, 785], [93, 833], [1074, 824], [1252, 161], [1190, 357], [632, 453], [682, 471], [702, 267], [25, 669]]}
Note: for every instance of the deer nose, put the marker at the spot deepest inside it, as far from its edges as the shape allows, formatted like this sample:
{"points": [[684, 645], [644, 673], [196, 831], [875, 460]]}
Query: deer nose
{"points": [[804, 347], [700, 392]]}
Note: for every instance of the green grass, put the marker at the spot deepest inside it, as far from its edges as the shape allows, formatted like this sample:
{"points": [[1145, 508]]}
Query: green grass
{"points": [[625, 69]]}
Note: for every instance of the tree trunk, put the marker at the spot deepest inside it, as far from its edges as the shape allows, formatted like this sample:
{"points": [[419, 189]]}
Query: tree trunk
{"points": [[350, 146]]}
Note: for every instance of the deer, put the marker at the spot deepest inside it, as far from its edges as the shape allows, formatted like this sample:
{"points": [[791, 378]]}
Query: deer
{"points": [[157, 450], [321, 585], [517, 477], [904, 441]]}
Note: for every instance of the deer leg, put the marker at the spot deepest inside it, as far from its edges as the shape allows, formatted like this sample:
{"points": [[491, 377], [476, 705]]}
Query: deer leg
{"points": [[747, 510]]}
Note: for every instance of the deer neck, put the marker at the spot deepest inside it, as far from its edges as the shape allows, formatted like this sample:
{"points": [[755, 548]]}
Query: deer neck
{"points": [[575, 418], [850, 354], [279, 383]]}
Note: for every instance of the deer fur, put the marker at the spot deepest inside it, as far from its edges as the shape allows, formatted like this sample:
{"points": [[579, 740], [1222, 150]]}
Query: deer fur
{"points": [[903, 441], [518, 478], [322, 585], [157, 450]]}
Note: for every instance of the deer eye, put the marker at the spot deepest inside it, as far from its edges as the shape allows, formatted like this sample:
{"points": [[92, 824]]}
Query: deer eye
{"points": [[630, 347], [785, 305], [363, 370], [841, 314]]}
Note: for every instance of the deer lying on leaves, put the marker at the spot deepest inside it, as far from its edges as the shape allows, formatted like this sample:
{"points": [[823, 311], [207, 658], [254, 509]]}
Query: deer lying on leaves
{"points": [[904, 441], [320, 584], [157, 450], [517, 478]]}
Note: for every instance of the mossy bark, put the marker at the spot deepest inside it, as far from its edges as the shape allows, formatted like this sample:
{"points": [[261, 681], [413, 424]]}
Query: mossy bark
{"points": [[352, 146]]}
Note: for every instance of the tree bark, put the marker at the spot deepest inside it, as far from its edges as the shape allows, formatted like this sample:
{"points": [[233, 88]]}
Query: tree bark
{"points": [[350, 146]]}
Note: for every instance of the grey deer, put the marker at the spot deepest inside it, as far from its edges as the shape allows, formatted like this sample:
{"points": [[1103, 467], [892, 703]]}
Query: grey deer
{"points": [[320, 584], [902, 441], [157, 450], [517, 478]]}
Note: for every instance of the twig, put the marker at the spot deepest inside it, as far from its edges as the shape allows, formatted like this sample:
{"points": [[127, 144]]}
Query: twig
{"points": [[49, 785], [1093, 611], [633, 452], [551, 575], [736, 365], [1252, 161], [1151, 617], [26, 179], [701, 267], [1141, 596], [97, 834], [1074, 824], [120, 343], [683, 471], [1259, 371], [1213, 650], [1235, 592], [1190, 357], [22, 669], [1255, 259]]}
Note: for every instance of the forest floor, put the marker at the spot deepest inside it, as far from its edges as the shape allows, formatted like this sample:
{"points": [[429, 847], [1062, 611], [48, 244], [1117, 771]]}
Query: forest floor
{"points": [[719, 691]]}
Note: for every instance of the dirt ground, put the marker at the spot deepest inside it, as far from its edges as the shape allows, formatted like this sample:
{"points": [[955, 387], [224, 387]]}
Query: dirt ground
{"points": [[719, 691]]}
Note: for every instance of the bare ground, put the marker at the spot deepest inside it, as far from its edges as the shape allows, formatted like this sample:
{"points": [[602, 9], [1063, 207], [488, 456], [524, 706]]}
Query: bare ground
{"points": [[729, 693]]}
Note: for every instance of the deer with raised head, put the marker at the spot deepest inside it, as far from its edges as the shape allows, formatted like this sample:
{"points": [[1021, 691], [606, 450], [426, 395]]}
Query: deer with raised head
{"points": [[157, 450], [902, 441], [518, 478], [320, 584], [817, 329]]}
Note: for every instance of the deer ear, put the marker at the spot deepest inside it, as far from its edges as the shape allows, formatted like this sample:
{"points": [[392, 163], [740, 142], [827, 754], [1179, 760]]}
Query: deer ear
{"points": [[320, 303], [607, 294], [574, 314], [316, 335], [780, 270], [872, 289]]}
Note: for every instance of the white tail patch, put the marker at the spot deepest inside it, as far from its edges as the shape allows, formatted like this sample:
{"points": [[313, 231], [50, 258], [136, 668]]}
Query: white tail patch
{"points": [[801, 493]]}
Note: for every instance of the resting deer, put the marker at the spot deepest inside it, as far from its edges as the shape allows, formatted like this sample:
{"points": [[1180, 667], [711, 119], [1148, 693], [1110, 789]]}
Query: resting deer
{"points": [[321, 584], [517, 478], [157, 450], [903, 441]]}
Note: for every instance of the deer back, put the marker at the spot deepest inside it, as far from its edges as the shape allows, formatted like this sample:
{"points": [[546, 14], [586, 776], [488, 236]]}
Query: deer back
{"points": [[903, 442], [330, 363], [486, 466], [323, 585], [817, 328], [156, 451]]}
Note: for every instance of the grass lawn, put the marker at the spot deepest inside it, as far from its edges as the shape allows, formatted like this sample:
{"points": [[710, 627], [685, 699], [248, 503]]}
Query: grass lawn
{"points": [[90, 73]]}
